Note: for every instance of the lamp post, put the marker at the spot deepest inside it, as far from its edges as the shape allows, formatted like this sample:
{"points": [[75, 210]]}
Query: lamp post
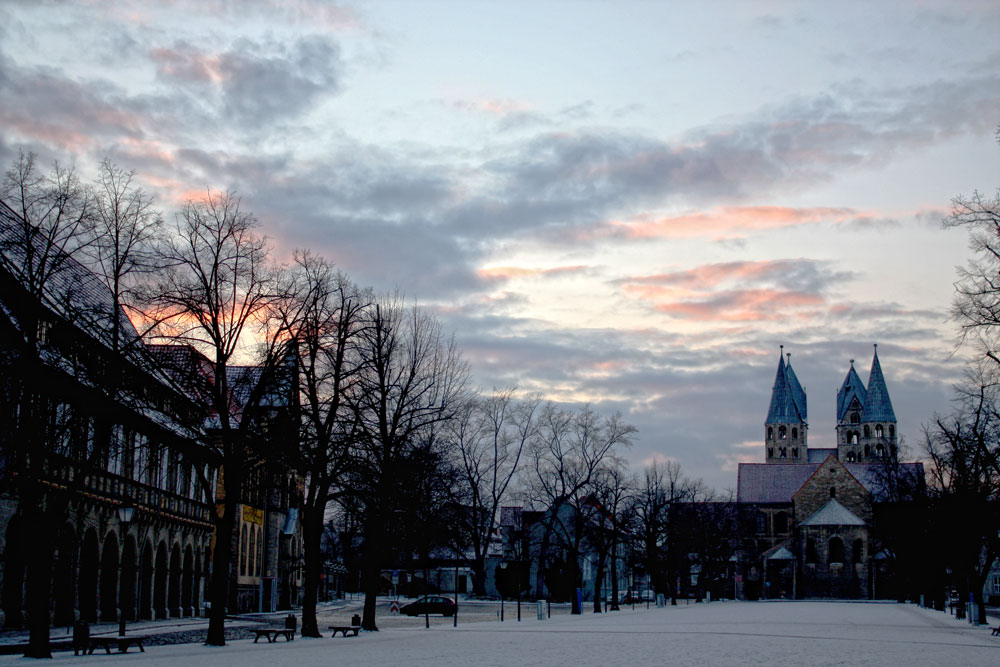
{"points": [[125, 515], [503, 569]]}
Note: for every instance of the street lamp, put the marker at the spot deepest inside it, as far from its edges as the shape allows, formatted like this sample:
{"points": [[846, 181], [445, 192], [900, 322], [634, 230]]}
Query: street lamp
{"points": [[125, 515], [503, 568]]}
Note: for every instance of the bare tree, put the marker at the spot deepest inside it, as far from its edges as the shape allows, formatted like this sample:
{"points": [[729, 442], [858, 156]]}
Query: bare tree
{"points": [[216, 292], [568, 453], [490, 434], [964, 453], [39, 247], [606, 528], [411, 379], [323, 315]]}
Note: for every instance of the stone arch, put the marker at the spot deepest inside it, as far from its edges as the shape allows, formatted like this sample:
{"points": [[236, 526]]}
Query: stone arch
{"points": [[187, 583], [145, 586], [64, 575], [109, 578], [836, 550], [174, 583], [90, 555], [160, 572], [129, 578]]}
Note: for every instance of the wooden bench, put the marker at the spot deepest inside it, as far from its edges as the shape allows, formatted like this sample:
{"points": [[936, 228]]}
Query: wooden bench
{"points": [[272, 634], [344, 629], [122, 643]]}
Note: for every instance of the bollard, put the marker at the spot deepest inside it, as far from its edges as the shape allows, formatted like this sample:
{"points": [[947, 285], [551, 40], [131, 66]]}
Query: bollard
{"points": [[541, 609]]}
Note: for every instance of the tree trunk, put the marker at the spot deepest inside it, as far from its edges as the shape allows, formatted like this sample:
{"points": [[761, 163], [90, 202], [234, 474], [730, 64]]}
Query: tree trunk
{"points": [[479, 575], [312, 535], [614, 576], [598, 583], [221, 558], [371, 570], [40, 541]]}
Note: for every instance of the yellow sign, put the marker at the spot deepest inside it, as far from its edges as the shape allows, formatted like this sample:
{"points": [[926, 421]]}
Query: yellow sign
{"points": [[253, 515]]}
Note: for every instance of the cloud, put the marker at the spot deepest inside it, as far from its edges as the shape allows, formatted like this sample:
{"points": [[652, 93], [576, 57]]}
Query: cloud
{"points": [[513, 272]]}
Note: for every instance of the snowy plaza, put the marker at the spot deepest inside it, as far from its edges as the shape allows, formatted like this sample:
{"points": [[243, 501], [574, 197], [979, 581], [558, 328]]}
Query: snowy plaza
{"points": [[720, 633]]}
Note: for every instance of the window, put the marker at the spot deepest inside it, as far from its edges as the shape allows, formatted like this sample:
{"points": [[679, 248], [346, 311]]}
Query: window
{"points": [[781, 433], [770, 452], [243, 549], [811, 555], [892, 431], [996, 585], [879, 450], [795, 452], [836, 550], [833, 492], [854, 437], [770, 433], [868, 451], [781, 522], [252, 552], [782, 452], [855, 418], [868, 431], [878, 431], [851, 457], [795, 433]]}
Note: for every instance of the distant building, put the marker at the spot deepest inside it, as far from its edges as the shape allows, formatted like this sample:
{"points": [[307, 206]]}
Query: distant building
{"points": [[807, 515]]}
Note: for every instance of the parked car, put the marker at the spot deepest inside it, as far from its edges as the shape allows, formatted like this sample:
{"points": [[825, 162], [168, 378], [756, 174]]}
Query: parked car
{"points": [[430, 604], [636, 596]]}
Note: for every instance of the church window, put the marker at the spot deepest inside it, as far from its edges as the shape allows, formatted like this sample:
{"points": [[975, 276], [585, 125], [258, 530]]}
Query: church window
{"points": [[854, 437], [811, 555], [795, 452], [892, 431], [795, 433], [782, 452], [879, 450], [836, 550], [770, 433], [868, 451], [855, 418], [770, 452], [781, 433], [781, 523], [868, 431], [851, 457], [833, 492], [878, 431], [859, 550]]}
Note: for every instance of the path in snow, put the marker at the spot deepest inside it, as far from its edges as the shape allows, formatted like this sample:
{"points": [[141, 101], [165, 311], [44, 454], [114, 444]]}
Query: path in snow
{"points": [[795, 634]]}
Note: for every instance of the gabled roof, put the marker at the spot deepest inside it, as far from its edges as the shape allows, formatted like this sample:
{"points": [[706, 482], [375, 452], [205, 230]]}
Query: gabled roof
{"points": [[877, 406], [782, 553], [852, 388], [783, 408], [833, 514]]}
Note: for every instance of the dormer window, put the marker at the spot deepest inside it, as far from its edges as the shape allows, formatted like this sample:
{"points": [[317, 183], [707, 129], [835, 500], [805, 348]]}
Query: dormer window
{"points": [[855, 418]]}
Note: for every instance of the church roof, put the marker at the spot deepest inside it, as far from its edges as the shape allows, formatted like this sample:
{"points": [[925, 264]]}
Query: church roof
{"points": [[798, 394], [833, 514], [782, 553], [763, 483], [818, 455], [877, 406], [852, 388], [783, 409]]}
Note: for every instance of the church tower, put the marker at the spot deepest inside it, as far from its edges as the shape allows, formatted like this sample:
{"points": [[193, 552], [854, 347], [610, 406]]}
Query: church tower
{"points": [[878, 421], [785, 428], [850, 403]]}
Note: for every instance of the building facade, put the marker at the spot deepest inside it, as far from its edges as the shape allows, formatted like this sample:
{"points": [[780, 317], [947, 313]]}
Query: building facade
{"points": [[807, 516]]}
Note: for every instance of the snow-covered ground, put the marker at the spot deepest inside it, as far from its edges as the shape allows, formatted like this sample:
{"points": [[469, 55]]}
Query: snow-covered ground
{"points": [[721, 633]]}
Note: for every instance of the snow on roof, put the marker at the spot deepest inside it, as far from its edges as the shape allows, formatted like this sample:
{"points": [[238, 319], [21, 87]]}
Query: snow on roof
{"points": [[833, 514]]}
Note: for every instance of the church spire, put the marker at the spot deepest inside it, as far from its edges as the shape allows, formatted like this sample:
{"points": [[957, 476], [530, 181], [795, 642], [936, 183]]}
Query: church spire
{"points": [[878, 407], [853, 388], [783, 408], [798, 394]]}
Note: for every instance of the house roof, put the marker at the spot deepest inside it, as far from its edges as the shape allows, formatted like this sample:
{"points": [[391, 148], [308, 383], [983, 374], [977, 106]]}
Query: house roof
{"points": [[852, 388], [877, 406], [783, 408], [782, 554], [833, 514]]}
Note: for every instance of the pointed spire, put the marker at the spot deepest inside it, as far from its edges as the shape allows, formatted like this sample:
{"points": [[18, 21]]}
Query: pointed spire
{"points": [[852, 388], [798, 394], [783, 409], [878, 407]]}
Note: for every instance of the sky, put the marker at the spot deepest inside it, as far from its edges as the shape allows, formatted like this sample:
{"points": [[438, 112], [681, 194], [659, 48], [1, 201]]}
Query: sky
{"points": [[627, 204]]}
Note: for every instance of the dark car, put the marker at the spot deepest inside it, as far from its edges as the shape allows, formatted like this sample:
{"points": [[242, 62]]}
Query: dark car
{"points": [[430, 604]]}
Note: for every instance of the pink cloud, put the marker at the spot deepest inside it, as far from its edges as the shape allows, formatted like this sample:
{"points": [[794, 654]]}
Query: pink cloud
{"points": [[494, 106], [187, 65], [512, 272], [741, 305]]}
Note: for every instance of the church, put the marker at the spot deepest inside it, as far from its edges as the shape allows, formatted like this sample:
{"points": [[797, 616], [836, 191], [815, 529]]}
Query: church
{"points": [[808, 514]]}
